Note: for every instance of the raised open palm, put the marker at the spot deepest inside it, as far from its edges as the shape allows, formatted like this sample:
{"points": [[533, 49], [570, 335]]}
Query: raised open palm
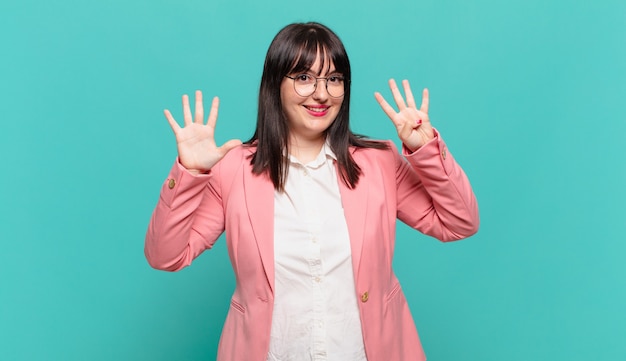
{"points": [[195, 141], [413, 125]]}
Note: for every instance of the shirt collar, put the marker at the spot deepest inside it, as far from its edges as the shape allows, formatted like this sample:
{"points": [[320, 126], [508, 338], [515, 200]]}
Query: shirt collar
{"points": [[324, 155], [328, 151]]}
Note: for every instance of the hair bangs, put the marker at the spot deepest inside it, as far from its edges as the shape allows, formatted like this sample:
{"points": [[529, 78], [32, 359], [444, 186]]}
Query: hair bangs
{"points": [[317, 44]]}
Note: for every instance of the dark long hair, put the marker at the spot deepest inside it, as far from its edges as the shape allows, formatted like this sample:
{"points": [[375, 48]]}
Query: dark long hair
{"points": [[295, 49]]}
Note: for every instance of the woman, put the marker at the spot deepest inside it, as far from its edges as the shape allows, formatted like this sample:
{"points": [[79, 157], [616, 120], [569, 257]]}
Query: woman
{"points": [[309, 210]]}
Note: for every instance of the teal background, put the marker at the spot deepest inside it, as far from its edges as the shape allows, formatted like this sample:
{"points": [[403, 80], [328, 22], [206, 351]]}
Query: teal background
{"points": [[529, 96]]}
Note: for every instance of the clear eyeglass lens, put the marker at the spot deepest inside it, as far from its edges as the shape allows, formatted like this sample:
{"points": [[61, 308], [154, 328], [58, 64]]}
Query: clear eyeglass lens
{"points": [[305, 84]]}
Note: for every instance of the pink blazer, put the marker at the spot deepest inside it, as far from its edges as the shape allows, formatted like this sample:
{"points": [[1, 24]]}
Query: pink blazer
{"points": [[429, 192]]}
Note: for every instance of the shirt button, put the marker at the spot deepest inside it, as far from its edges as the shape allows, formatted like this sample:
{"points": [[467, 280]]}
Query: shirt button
{"points": [[365, 296], [171, 183], [318, 280]]}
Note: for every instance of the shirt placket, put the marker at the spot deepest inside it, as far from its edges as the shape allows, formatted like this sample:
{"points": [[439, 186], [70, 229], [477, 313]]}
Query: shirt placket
{"points": [[313, 222]]}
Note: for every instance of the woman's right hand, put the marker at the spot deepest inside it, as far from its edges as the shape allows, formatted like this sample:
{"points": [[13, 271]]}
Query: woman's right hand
{"points": [[197, 150]]}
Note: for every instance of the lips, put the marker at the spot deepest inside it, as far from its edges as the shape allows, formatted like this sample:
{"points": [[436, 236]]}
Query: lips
{"points": [[317, 110]]}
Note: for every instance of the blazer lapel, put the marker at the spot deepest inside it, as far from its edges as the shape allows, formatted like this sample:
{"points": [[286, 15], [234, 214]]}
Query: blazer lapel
{"points": [[259, 194], [354, 203]]}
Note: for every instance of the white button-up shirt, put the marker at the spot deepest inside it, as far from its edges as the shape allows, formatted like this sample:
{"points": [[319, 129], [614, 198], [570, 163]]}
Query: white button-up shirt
{"points": [[316, 316]]}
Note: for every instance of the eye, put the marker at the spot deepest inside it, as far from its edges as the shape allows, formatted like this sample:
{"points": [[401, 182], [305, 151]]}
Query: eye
{"points": [[335, 79], [304, 78]]}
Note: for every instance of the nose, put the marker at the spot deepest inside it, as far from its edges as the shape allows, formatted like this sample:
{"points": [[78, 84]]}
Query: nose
{"points": [[320, 93]]}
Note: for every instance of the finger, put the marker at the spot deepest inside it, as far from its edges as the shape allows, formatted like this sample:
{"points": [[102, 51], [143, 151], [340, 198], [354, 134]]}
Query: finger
{"points": [[186, 110], [228, 146], [215, 104], [170, 119], [425, 100], [199, 108], [391, 113], [397, 96], [405, 131], [409, 94]]}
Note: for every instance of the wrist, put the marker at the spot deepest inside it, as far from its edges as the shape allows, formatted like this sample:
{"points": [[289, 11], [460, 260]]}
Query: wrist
{"points": [[197, 171], [192, 171]]}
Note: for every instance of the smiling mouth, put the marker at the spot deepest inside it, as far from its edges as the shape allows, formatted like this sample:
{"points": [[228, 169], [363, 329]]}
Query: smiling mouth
{"points": [[317, 109]]}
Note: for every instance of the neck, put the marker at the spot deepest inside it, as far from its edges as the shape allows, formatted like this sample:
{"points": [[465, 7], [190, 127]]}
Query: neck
{"points": [[306, 150]]}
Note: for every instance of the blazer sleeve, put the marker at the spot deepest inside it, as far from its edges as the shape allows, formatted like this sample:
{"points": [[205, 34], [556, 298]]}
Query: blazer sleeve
{"points": [[434, 195], [187, 219]]}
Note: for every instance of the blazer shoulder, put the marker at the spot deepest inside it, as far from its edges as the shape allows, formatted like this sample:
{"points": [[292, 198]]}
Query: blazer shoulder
{"points": [[235, 157], [389, 152], [235, 161]]}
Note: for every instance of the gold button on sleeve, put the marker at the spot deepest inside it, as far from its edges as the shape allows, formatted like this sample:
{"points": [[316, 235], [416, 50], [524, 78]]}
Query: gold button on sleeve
{"points": [[443, 154], [171, 183], [365, 296]]}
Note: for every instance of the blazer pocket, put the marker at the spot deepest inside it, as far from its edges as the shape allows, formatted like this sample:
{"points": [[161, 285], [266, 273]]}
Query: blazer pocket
{"points": [[237, 306]]}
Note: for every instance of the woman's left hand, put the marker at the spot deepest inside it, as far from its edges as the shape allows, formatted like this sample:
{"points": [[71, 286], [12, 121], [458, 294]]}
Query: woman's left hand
{"points": [[413, 125]]}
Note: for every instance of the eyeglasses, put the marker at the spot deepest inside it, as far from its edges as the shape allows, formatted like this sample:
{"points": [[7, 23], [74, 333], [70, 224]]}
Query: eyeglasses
{"points": [[305, 84]]}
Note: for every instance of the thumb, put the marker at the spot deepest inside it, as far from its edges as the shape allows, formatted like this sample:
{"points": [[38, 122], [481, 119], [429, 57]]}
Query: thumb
{"points": [[228, 146], [405, 131]]}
